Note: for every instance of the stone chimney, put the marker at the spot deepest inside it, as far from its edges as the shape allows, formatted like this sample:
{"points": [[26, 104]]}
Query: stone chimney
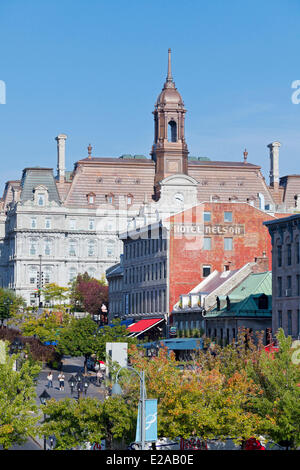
{"points": [[61, 159], [261, 264], [274, 164]]}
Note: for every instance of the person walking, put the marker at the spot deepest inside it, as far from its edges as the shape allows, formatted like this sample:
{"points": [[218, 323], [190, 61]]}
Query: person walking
{"points": [[61, 381], [99, 377], [50, 380]]}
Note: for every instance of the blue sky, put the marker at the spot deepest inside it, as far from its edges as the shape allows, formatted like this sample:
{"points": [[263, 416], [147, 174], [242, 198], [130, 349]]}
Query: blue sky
{"points": [[93, 69]]}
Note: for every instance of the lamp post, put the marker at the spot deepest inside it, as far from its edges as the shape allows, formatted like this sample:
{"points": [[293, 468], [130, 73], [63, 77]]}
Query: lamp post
{"points": [[72, 383], [44, 397], [116, 390], [16, 348]]}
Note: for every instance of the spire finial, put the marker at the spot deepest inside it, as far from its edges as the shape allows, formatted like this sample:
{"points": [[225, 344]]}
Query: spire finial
{"points": [[90, 151], [245, 156], [169, 76]]}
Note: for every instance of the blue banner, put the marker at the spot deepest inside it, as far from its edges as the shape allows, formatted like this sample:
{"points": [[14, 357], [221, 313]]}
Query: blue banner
{"points": [[150, 421]]}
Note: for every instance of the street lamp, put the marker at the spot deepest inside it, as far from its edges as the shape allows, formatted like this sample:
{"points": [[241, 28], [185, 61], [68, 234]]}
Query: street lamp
{"points": [[86, 384], [116, 390], [44, 397], [16, 347], [72, 383]]}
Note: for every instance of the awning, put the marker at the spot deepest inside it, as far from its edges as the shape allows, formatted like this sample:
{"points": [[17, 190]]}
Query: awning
{"points": [[141, 326]]}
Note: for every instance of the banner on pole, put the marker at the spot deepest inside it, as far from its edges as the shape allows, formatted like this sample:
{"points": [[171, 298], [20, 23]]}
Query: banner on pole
{"points": [[150, 421]]}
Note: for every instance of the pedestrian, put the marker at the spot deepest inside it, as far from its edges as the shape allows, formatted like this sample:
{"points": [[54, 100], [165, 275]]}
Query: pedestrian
{"points": [[61, 381], [50, 379], [99, 377]]}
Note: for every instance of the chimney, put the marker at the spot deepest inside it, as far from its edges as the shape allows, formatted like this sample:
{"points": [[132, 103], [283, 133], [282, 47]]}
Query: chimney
{"points": [[61, 145], [274, 164], [261, 264]]}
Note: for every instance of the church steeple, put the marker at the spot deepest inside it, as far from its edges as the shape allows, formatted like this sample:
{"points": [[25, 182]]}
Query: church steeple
{"points": [[169, 150]]}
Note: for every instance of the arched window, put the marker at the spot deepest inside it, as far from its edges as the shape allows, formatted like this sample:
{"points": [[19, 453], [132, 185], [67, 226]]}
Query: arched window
{"points": [[110, 249], [91, 272], [48, 247], [72, 247], [172, 131], [33, 274], [47, 274], [91, 248], [72, 274], [33, 246]]}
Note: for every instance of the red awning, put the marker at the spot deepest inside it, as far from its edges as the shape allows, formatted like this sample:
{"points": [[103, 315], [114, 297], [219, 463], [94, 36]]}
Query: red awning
{"points": [[143, 325]]}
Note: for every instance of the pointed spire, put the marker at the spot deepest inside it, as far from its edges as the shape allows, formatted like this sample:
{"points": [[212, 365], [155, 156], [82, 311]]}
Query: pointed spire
{"points": [[169, 80], [90, 151], [169, 76]]}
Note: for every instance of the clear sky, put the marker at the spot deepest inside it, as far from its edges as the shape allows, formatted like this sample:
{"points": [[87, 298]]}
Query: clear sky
{"points": [[92, 69]]}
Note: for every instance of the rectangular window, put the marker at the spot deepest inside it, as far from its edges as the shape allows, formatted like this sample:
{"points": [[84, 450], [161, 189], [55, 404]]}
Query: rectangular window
{"points": [[298, 284], [33, 222], [298, 323], [206, 270], [206, 243], [289, 282], [279, 319], [297, 253], [228, 244], [279, 286], [91, 224], [227, 216], [289, 314], [72, 224], [47, 222], [279, 256], [206, 216], [289, 254]]}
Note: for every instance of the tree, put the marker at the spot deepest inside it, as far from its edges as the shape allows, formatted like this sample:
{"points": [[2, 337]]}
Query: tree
{"points": [[79, 339], [17, 401], [279, 379], [204, 403], [114, 333], [47, 326], [89, 293], [33, 347], [54, 293], [10, 303], [74, 423]]}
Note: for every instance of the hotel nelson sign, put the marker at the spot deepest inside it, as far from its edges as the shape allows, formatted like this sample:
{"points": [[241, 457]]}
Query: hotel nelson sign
{"points": [[209, 229]]}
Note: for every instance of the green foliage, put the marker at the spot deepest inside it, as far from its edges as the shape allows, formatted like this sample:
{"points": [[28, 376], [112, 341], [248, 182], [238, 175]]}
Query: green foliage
{"points": [[17, 401], [279, 378], [10, 303], [78, 338], [47, 326], [200, 402], [75, 423], [54, 293], [116, 334]]}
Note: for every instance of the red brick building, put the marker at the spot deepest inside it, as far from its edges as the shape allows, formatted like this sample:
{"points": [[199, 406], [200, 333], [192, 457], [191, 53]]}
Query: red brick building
{"points": [[214, 236]]}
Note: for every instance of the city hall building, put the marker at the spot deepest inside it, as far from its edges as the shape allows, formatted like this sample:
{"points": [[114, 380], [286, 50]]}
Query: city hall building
{"points": [[67, 223]]}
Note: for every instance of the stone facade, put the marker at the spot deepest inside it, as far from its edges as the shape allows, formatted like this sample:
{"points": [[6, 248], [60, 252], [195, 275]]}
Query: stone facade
{"points": [[285, 235]]}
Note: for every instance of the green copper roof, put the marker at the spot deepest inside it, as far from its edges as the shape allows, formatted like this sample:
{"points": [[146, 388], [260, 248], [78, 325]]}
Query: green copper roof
{"points": [[244, 300]]}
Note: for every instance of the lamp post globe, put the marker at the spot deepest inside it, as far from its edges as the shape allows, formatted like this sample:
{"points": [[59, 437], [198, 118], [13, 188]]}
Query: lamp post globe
{"points": [[116, 389]]}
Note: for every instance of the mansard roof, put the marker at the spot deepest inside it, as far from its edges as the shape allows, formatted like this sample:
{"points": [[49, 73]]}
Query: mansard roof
{"points": [[33, 177]]}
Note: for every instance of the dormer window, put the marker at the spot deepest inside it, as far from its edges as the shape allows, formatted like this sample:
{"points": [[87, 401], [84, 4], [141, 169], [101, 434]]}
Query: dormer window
{"points": [[41, 199], [109, 198], [91, 197], [129, 199]]}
